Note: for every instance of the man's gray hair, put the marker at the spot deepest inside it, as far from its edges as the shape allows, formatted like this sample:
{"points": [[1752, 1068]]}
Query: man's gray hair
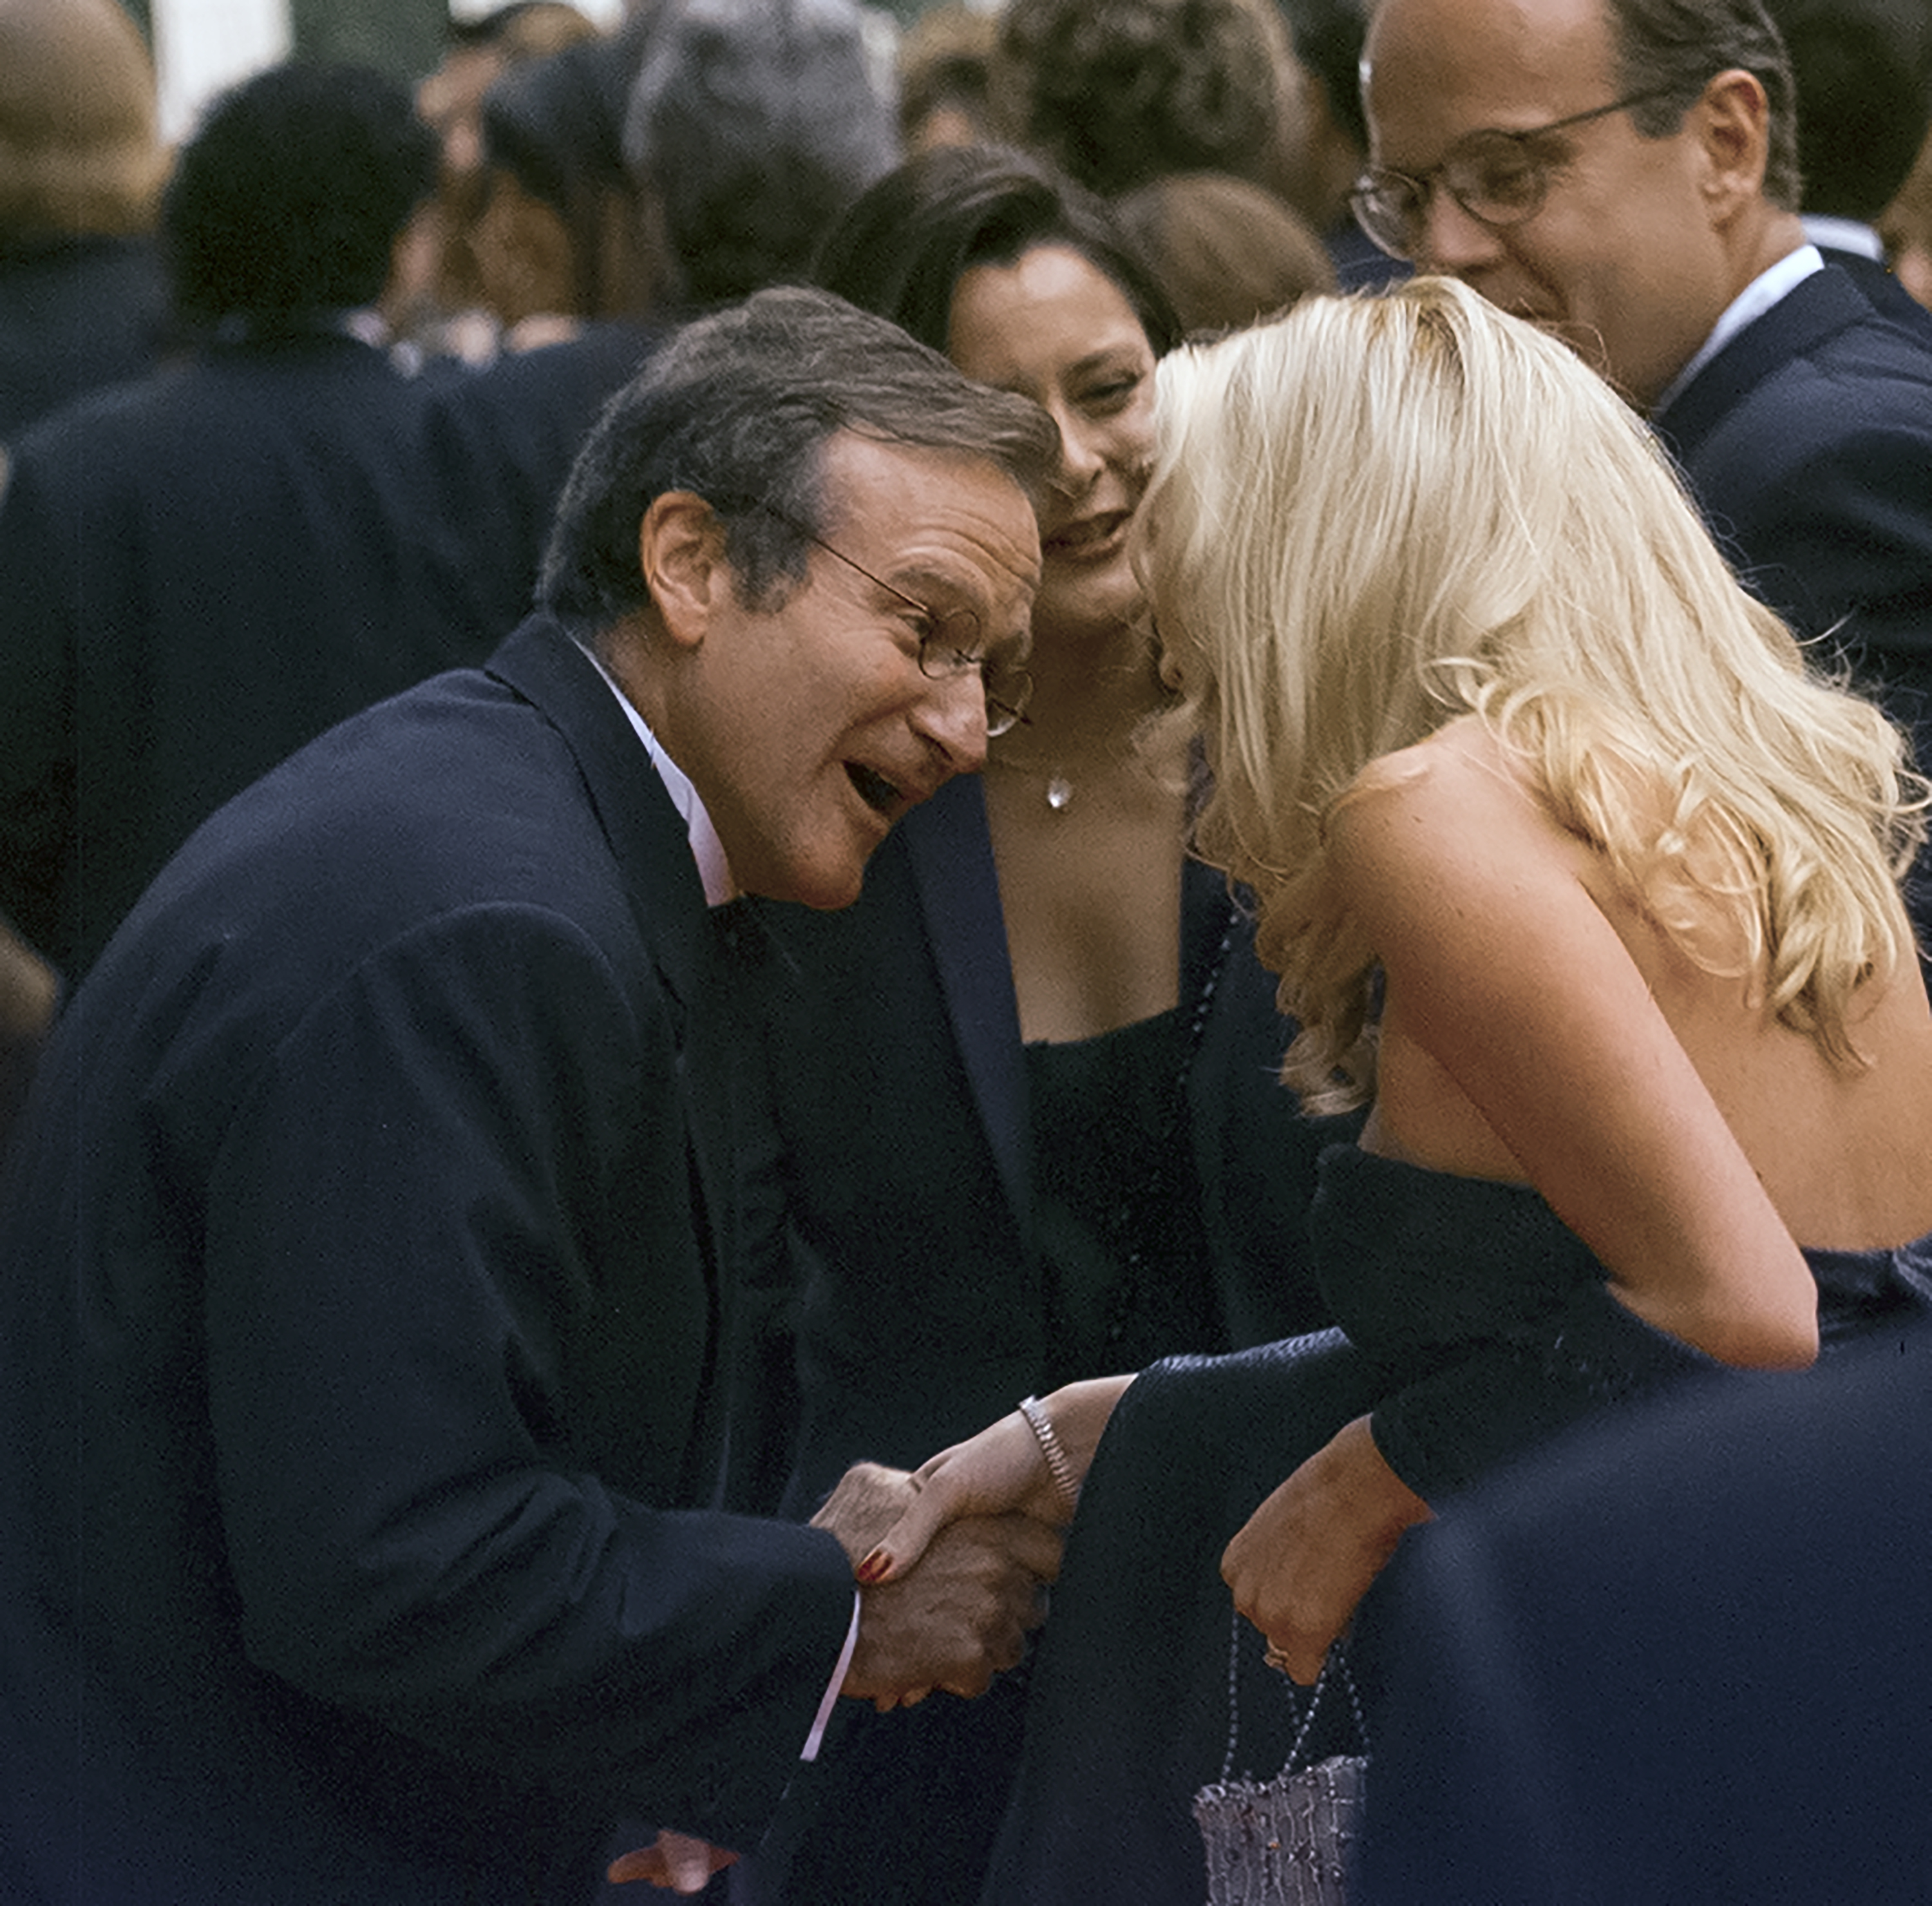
{"points": [[752, 125], [737, 408]]}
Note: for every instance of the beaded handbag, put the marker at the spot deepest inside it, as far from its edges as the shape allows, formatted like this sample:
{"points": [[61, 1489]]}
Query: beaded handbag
{"points": [[1285, 1841]]}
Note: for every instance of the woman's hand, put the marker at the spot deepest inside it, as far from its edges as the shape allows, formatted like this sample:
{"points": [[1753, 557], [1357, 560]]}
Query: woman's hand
{"points": [[1308, 1555], [1002, 1471]]}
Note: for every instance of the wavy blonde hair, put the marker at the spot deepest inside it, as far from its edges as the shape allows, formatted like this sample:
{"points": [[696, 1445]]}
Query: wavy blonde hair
{"points": [[1377, 514]]}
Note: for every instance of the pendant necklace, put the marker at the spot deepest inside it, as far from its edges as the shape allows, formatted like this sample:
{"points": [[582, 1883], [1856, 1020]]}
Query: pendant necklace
{"points": [[1059, 782]]}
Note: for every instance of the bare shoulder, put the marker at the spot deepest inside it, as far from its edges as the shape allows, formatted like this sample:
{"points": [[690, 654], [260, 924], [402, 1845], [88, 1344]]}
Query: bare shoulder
{"points": [[1458, 800]]}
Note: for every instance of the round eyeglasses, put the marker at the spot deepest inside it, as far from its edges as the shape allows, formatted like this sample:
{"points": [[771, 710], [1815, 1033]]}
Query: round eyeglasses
{"points": [[949, 644], [1498, 178]]}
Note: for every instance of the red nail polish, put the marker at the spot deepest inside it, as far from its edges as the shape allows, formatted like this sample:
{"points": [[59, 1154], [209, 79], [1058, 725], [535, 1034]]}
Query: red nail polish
{"points": [[874, 1568]]}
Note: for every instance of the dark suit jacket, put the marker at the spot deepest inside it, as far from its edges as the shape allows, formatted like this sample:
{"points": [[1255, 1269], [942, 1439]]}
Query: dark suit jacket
{"points": [[501, 442], [1880, 283], [1682, 1659], [74, 315], [1808, 442], [361, 1323], [899, 1081], [199, 572]]}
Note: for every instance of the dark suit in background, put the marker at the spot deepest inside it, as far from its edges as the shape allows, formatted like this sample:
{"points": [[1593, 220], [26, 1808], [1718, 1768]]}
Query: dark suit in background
{"points": [[501, 441], [1807, 443], [394, 1121], [1681, 1660], [1877, 280], [75, 315], [199, 572], [82, 299]]}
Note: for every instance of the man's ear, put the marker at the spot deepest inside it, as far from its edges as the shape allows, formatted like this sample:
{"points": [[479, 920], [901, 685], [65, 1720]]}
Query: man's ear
{"points": [[1732, 120], [681, 552]]}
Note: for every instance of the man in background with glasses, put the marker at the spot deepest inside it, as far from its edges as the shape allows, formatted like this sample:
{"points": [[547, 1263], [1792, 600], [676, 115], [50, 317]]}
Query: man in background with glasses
{"points": [[1624, 173]]}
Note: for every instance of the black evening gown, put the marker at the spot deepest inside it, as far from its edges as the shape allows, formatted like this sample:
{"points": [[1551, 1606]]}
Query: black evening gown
{"points": [[1478, 1328]]}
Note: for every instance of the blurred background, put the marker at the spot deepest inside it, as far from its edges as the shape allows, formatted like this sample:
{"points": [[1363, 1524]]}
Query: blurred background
{"points": [[200, 46]]}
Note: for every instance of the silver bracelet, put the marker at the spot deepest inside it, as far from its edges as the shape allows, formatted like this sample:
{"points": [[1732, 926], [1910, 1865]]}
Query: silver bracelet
{"points": [[1057, 1466]]}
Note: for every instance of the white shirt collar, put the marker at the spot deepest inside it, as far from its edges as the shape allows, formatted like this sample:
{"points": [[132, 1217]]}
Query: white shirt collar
{"points": [[706, 849], [1844, 235], [1750, 304]]}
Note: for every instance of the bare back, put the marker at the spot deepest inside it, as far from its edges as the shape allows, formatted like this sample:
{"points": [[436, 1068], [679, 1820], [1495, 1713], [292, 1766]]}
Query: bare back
{"points": [[1538, 1025]]}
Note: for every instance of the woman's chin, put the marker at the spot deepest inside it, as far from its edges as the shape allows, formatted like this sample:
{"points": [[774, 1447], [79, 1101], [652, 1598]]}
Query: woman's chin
{"points": [[1076, 600]]}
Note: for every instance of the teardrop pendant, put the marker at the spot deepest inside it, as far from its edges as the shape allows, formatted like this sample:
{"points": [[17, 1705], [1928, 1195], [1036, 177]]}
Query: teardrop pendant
{"points": [[1059, 791]]}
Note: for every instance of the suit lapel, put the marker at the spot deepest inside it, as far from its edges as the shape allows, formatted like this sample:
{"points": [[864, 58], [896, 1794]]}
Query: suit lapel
{"points": [[645, 830], [1813, 309], [951, 858], [666, 895]]}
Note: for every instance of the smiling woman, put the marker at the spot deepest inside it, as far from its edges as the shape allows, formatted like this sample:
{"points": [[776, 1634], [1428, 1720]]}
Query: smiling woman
{"points": [[1025, 1085]]}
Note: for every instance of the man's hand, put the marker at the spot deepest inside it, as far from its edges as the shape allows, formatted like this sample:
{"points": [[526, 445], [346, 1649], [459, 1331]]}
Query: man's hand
{"points": [[1309, 1554], [959, 1617], [674, 1861], [869, 1499]]}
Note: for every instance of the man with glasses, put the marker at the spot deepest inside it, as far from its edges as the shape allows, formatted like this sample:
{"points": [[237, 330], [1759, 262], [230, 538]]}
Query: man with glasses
{"points": [[370, 1238], [1624, 172]]}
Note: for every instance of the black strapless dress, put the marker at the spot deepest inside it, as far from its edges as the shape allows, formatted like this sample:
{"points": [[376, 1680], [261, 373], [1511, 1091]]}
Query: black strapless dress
{"points": [[1477, 1327]]}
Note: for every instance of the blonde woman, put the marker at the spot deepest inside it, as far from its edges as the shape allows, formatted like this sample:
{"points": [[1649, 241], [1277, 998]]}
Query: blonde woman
{"points": [[1577, 877]]}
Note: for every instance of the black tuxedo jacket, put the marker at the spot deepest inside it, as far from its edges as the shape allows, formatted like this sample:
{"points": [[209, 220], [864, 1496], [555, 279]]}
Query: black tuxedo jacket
{"points": [[362, 1315]]}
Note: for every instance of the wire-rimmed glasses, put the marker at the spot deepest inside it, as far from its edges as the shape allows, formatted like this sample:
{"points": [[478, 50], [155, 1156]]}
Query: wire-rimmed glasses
{"points": [[1498, 177], [948, 644]]}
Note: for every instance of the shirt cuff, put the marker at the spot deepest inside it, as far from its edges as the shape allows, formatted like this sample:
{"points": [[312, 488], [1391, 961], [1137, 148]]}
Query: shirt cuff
{"points": [[824, 1718]]}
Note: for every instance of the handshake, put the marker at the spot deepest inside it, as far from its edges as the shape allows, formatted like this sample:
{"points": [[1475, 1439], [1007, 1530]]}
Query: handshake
{"points": [[948, 1606], [953, 1560], [949, 1603]]}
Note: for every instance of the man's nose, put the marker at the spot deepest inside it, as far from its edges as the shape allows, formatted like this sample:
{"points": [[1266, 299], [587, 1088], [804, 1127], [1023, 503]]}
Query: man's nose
{"points": [[952, 715], [1454, 241]]}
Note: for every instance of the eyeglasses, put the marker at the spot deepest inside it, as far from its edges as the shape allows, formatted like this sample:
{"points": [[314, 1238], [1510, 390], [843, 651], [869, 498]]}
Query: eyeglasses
{"points": [[1498, 178], [949, 644]]}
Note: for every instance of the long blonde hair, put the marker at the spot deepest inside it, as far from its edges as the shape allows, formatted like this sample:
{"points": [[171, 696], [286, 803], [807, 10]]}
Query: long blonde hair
{"points": [[1377, 514]]}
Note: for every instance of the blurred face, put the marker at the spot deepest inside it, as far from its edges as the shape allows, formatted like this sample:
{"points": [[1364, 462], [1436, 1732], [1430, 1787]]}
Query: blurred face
{"points": [[809, 729], [1054, 327], [1622, 258], [450, 100], [523, 252]]}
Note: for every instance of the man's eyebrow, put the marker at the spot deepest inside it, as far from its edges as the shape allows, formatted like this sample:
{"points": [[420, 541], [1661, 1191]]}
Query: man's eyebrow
{"points": [[922, 582]]}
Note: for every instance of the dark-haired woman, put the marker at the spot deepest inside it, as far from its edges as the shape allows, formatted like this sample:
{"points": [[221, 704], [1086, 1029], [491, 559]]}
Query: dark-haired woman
{"points": [[1027, 1086]]}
